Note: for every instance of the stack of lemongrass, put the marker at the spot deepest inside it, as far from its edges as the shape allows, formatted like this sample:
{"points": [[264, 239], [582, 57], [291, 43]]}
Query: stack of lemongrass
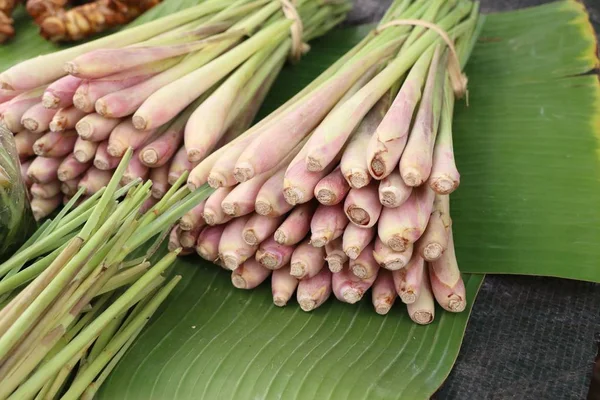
{"points": [[198, 76], [354, 172], [73, 299]]}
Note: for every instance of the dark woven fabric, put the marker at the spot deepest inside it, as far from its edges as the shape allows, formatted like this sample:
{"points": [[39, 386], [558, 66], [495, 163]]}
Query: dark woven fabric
{"points": [[528, 338]]}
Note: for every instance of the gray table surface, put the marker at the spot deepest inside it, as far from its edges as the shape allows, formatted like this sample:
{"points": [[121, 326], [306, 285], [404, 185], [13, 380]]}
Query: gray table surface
{"points": [[528, 337]]}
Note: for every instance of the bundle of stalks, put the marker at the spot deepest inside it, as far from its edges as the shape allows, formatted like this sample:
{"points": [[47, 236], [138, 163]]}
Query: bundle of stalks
{"points": [[78, 292], [338, 219], [174, 90]]}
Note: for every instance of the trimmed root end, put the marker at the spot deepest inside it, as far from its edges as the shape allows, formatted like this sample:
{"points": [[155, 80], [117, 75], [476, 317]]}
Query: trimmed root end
{"points": [[62, 176], [335, 263], [150, 157], [30, 124], [313, 165], [209, 217], [394, 265], [432, 251], [422, 317], [412, 177], [80, 156], [293, 195], [397, 243], [268, 260], [382, 308], [194, 155], [280, 236], [319, 240], [191, 186], [250, 238], [102, 165], [156, 192], [298, 269], [279, 301], [326, 197], [388, 198], [230, 261], [358, 215], [84, 129], [444, 185], [352, 252], [215, 180], [185, 224], [377, 167], [358, 179], [115, 150], [82, 104], [49, 100], [38, 149], [57, 125], [359, 271], [243, 172], [307, 304], [352, 295], [172, 177], [456, 303], [238, 281], [101, 108], [139, 122], [187, 241], [231, 209], [408, 297], [263, 208], [71, 68]]}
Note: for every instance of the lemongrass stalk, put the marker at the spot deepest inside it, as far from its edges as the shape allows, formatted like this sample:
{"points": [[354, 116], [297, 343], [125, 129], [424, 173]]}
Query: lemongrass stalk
{"points": [[422, 311], [119, 341], [55, 144], [365, 266], [43, 169], [194, 83], [332, 189], [208, 122], [259, 228], [188, 238], [356, 239], [70, 168], [384, 293], [179, 165], [393, 192], [233, 251], [59, 94], [103, 339], [434, 241], [41, 70], [69, 187], [193, 218], [307, 260], [362, 206], [207, 244], [283, 286], [160, 184], [314, 291], [37, 118], [45, 190], [401, 226], [97, 307], [124, 278], [135, 169], [269, 140], [58, 383], [408, 281], [13, 111], [95, 127], [417, 158], [387, 143], [93, 180], [444, 177], [7, 95], [296, 225], [213, 213], [270, 200], [249, 275], [348, 287], [125, 136], [174, 243], [24, 141], [335, 255], [331, 135], [390, 259], [103, 160], [327, 224], [446, 281], [354, 164], [148, 204], [242, 198], [84, 150], [158, 152], [42, 207], [273, 255], [66, 118], [36, 381]]}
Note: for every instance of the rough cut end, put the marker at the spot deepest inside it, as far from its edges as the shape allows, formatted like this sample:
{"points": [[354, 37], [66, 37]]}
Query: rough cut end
{"points": [[139, 122], [191, 186], [115, 150], [377, 167], [194, 155], [360, 271], [382, 307], [412, 177], [209, 217], [231, 209], [397, 243], [408, 297], [307, 304], [262, 207], [238, 281], [352, 295], [38, 148], [432, 251], [313, 165], [30, 124], [444, 185], [358, 179], [326, 197], [49, 100], [422, 317], [103, 165], [80, 156], [81, 103], [70, 68], [150, 157], [358, 215], [388, 198], [456, 303], [172, 177], [63, 175], [250, 238], [280, 236], [231, 261], [352, 252], [393, 265], [335, 263], [101, 107], [320, 239], [185, 224], [268, 260], [279, 301], [84, 129], [243, 172], [187, 240], [57, 124], [156, 192], [298, 269], [293, 195]]}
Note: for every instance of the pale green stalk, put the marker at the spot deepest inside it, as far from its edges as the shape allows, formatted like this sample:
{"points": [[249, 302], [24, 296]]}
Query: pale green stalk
{"points": [[105, 337], [121, 339], [87, 317], [52, 366], [124, 278], [62, 376]]}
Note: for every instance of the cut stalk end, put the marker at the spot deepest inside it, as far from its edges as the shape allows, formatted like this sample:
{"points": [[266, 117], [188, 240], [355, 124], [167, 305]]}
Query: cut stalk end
{"points": [[352, 295], [293, 195], [432, 251], [268, 260], [279, 301], [422, 317], [412, 177], [249, 237], [50, 101], [307, 304], [149, 157], [263, 208], [81, 103], [352, 252], [238, 281], [231, 261], [408, 297], [139, 122], [358, 179], [326, 197], [232, 209], [360, 271], [70, 68], [243, 172], [280, 236], [335, 263], [30, 124], [298, 269], [80, 156], [397, 243], [358, 215]]}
